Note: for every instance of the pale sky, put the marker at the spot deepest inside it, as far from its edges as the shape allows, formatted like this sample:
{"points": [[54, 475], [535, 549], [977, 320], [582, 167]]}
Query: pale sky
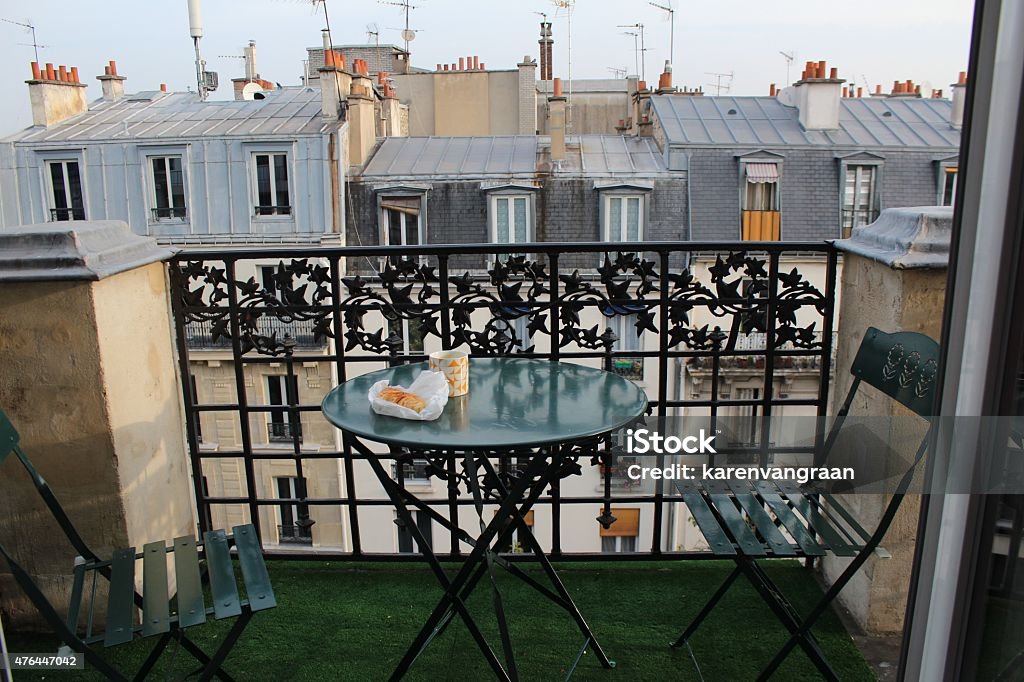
{"points": [[870, 41]]}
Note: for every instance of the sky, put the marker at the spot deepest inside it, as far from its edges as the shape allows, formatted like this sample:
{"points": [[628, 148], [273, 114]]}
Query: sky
{"points": [[870, 41]]}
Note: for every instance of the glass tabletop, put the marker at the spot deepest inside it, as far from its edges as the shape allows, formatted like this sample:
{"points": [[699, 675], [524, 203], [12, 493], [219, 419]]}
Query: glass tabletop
{"points": [[512, 403]]}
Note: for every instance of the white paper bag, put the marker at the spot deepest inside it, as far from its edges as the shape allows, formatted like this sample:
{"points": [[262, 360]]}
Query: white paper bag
{"points": [[430, 387]]}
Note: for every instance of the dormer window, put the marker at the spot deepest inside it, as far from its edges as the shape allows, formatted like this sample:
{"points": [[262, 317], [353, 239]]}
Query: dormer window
{"points": [[761, 218]]}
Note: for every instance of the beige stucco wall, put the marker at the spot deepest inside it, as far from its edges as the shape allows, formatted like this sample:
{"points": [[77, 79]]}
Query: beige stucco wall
{"points": [[875, 295], [55, 102], [461, 103], [87, 375]]}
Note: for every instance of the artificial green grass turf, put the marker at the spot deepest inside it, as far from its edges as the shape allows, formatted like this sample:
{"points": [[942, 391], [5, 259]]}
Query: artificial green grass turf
{"points": [[353, 621]]}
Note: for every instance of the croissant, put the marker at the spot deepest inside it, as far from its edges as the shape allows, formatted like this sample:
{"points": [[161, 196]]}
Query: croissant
{"points": [[403, 398]]}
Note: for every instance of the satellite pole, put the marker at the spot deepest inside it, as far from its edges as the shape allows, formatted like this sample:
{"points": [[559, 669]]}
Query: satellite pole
{"points": [[672, 30], [27, 24], [407, 34]]}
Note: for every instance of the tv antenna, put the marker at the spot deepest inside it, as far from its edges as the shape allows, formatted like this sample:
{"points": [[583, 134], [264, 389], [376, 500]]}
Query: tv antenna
{"points": [[643, 48], [27, 24], [718, 85], [568, 6], [617, 72], [408, 34], [672, 29], [789, 57]]}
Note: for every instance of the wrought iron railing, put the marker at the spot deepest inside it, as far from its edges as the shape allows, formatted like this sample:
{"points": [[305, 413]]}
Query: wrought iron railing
{"points": [[168, 212], [294, 534], [207, 335], [67, 214], [282, 432], [691, 302]]}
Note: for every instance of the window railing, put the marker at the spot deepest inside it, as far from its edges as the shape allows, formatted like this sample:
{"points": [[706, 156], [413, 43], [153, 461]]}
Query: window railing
{"points": [[67, 214], [271, 210], [282, 431], [294, 534], [169, 212], [695, 302]]}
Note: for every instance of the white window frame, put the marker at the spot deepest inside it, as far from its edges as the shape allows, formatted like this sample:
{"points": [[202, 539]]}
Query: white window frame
{"points": [[873, 171], [511, 197], [945, 170], [255, 184], [51, 202], [623, 227], [151, 181], [618, 543]]}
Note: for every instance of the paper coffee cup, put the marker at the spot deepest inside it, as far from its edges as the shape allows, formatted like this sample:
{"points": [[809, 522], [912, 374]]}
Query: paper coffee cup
{"points": [[454, 364]]}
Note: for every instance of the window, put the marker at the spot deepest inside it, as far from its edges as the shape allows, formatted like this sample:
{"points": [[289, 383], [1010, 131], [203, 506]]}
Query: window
{"points": [[168, 188], [410, 333], [400, 222], [406, 545], [515, 543], [282, 390], [271, 184], [624, 327], [623, 218], [294, 526], [66, 200], [414, 471], [622, 534], [511, 219], [859, 198], [760, 209], [268, 273], [947, 190]]}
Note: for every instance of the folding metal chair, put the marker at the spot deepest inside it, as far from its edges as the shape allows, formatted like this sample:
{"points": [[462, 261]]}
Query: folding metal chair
{"points": [[901, 365], [194, 565]]}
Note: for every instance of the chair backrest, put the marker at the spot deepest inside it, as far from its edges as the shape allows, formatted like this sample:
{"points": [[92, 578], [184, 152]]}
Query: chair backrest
{"points": [[9, 444], [903, 365]]}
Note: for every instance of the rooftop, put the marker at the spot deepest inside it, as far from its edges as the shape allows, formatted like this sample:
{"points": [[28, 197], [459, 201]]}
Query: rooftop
{"points": [[155, 115], [863, 122], [512, 155]]}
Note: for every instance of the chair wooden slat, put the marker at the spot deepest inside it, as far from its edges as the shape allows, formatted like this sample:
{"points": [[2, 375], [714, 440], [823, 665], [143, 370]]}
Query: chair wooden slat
{"points": [[254, 568], [706, 521], [191, 605], [121, 599], [226, 602], [789, 520], [777, 542], [155, 606]]}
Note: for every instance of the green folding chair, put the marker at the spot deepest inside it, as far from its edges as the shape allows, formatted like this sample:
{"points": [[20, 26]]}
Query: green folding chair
{"points": [[196, 565], [744, 520]]}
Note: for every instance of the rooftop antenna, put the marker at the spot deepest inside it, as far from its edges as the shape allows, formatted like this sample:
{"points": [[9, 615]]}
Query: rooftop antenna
{"points": [[672, 29], [617, 72], [789, 57], [643, 49], [636, 51], [408, 35], [27, 24], [373, 33], [195, 29], [568, 6], [719, 87]]}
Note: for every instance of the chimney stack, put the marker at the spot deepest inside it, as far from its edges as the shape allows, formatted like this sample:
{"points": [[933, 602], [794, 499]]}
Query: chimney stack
{"points": [[816, 96], [56, 95], [545, 43], [556, 121], [335, 85], [527, 100], [111, 84], [249, 53], [956, 114], [665, 79], [362, 119]]}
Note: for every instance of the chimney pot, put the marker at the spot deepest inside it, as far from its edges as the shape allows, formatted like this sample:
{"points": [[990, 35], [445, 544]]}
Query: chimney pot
{"points": [[113, 68], [962, 78], [860, 92], [62, 73], [49, 72], [163, 87], [641, 86], [462, 63], [558, 87], [846, 92], [438, 67], [329, 58], [445, 67], [878, 89], [771, 90], [834, 73], [74, 74], [483, 67], [36, 73], [476, 62], [917, 89]]}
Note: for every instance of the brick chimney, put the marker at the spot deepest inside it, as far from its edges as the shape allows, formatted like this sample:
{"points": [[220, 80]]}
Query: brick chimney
{"points": [[556, 121], [546, 43], [56, 95], [390, 109], [816, 96], [111, 83], [527, 85], [956, 114], [362, 123], [335, 85]]}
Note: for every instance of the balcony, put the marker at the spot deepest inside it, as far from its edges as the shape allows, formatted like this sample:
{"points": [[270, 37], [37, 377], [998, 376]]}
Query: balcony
{"points": [[354, 621]]}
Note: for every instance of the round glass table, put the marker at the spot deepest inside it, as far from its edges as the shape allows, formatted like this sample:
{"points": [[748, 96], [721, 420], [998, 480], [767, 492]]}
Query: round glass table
{"points": [[547, 414]]}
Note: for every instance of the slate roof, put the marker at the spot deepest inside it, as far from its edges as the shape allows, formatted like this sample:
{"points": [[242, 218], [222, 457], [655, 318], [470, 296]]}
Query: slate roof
{"points": [[156, 115], [764, 121]]}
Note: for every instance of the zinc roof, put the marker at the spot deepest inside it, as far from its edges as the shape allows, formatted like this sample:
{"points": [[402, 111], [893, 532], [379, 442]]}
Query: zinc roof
{"points": [[288, 111], [863, 122]]}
